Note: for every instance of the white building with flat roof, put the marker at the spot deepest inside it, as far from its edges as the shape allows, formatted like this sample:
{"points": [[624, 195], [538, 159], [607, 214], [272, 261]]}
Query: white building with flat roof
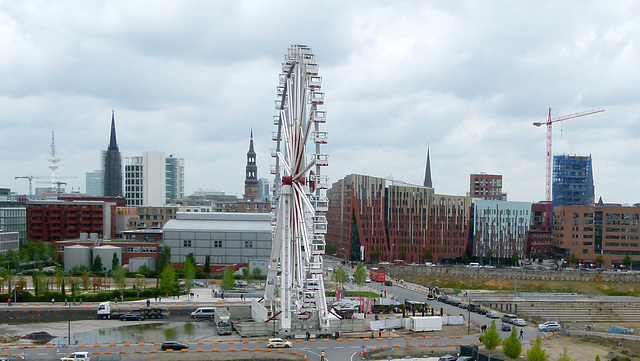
{"points": [[228, 238], [153, 179]]}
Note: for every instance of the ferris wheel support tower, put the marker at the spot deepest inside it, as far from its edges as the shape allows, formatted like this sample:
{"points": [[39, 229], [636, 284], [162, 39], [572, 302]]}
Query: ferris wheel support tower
{"points": [[295, 289]]}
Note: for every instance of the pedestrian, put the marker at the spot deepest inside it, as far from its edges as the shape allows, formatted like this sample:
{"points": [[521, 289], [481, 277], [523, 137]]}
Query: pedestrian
{"points": [[308, 335], [521, 334], [8, 302], [322, 355], [53, 301], [380, 333]]}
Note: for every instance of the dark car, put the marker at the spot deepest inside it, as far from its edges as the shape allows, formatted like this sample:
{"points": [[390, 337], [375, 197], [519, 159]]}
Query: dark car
{"points": [[388, 283], [173, 345], [443, 298], [506, 327], [131, 317], [482, 311]]}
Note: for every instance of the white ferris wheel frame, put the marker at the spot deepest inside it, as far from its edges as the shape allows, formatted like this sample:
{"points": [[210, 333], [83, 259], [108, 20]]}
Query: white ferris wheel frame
{"points": [[295, 288]]}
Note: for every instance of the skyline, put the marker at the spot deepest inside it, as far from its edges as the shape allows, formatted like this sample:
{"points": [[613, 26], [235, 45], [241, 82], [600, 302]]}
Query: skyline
{"points": [[464, 79]]}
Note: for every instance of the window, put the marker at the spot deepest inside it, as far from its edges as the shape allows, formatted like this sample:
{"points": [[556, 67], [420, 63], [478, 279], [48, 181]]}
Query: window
{"points": [[186, 243], [248, 244], [148, 250], [217, 244]]}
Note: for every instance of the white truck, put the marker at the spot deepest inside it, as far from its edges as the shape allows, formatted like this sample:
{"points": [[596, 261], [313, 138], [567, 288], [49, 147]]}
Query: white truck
{"points": [[222, 320], [427, 323], [108, 310]]}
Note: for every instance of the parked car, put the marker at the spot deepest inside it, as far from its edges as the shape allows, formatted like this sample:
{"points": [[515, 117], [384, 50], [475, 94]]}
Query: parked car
{"points": [[447, 358], [506, 327], [463, 305], [482, 311], [519, 322], [492, 314], [465, 358], [549, 326], [443, 298], [509, 318], [388, 283], [131, 317], [173, 345], [76, 356], [368, 280], [278, 342], [384, 263]]}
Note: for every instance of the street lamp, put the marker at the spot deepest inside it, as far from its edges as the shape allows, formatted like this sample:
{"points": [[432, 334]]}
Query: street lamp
{"points": [[69, 327]]}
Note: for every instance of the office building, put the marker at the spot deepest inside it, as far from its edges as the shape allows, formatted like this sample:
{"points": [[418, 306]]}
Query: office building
{"points": [[610, 232], [264, 189], [375, 219], [572, 181], [153, 179], [13, 218], [9, 241], [499, 230], [94, 183]]}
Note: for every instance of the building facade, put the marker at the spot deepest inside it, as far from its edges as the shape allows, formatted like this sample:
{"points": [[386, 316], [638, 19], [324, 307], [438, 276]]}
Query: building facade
{"points": [[112, 165], [500, 230], [94, 183], [572, 181], [127, 250], [147, 217], [610, 232], [486, 186], [55, 220], [374, 219], [228, 238], [9, 241], [153, 179], [539, 239], [13, 218]]}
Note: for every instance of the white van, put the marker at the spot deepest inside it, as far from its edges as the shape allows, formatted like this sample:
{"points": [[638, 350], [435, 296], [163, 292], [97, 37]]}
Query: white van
{"points": [[474, 265], [207, 312]]}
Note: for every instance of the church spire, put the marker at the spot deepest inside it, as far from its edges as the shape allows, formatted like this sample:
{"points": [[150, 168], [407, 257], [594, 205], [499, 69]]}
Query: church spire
{"points": [[427, 173], [113, 144], [251, 178]]}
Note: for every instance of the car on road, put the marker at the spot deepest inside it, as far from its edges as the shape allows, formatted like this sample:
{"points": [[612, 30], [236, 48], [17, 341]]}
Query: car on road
{"points": [[506, 327], [384, 263], [278, 342], [519, 322], [131, 317], [464, 305], [443, 298], [368, 280], [388, 283], [509, 318], [549, 326], [465, 358], [492, 314], [173, 345], [76, 356], [447, 358]]}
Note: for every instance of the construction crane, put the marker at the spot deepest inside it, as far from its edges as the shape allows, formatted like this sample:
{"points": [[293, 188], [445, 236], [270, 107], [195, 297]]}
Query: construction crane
{"points": [[549, 124], [30, 178]]}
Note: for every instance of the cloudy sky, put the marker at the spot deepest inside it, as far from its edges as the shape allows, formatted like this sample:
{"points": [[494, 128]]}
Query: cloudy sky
{"points": [[465, 78]]}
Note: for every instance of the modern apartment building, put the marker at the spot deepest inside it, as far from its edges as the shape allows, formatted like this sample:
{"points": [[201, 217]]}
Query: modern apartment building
{"points": [[147, 217], [572, 181], [55, 220], [9, 241], [539, 239], [153, 179], [609, 231], [374, 218], [500, 230], [13, 218], [486, 186]]}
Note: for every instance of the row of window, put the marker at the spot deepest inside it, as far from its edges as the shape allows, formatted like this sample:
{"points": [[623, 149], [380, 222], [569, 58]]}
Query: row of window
{"points": [[187, 243], [128, 249]]}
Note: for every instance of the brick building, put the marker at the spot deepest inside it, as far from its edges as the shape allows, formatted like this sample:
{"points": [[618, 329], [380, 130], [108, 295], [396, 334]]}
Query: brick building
{"points": [[389, 219], [611, 231], [55, 220], [486, 186], [539, 239]]}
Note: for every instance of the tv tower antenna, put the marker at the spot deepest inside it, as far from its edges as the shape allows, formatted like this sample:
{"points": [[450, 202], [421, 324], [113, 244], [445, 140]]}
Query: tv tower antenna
{"points": [[53, 159]]}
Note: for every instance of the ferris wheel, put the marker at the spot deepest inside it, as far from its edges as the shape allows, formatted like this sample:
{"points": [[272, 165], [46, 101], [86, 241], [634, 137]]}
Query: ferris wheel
{"points": [[295, 289]]}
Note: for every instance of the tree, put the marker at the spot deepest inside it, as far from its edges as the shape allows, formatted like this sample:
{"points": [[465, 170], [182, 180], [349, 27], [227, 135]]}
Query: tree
{"points": [[189, 272], [627, 261], [512, 346], [164, 257], [119, 276], [257, 273], [340, 276], [247, 275], [168, 284], [573, 260], [514, 258], [96, 267], [597, 357], [491, 338], [536, 353], [115, 262], [227, 280], [402, 255], [489, 256], [428, 254], [565, 356], [599, 260], [377, 254], [207, 265], [360, 275]]}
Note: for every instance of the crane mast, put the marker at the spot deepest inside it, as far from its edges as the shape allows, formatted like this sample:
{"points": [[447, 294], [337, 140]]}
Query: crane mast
{"points": [[549, 164]]}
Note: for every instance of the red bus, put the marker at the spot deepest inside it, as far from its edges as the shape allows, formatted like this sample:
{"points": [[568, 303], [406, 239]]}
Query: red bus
{"points": [[377, 274]]}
